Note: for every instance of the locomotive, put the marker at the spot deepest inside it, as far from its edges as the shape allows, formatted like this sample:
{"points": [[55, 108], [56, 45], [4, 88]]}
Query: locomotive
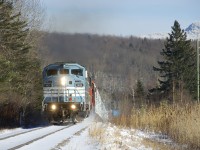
{"points": [[68, 92]]}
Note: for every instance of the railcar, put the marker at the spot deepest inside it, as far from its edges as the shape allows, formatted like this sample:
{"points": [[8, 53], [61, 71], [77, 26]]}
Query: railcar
{"points": [[67, 92]]}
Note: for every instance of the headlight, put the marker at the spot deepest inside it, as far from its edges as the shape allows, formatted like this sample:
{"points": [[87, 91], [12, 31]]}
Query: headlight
{"points": [[53, 107], [63, 81], [73, 106]]}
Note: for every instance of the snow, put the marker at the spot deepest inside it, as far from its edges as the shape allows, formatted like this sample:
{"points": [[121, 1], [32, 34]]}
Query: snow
{"points": [[8, 132], [193, 28], [100, 108], [86, 135], [155, 36], [154, 136], [77, 142], [118, 138], [20, 139], [90, 134], [192, 31]]}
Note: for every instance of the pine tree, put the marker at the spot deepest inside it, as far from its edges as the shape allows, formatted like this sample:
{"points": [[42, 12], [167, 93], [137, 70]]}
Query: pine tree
{"points": [[14, 49], [20, 73], [177, 62], [139, 93]]}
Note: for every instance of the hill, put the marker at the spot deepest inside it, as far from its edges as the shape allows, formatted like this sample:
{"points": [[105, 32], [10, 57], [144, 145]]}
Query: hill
{"points": [[125, 57]]}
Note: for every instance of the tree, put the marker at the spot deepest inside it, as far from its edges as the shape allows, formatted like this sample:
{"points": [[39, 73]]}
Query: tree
{"points": [[20, 73], [139, 93], [177, 62]]}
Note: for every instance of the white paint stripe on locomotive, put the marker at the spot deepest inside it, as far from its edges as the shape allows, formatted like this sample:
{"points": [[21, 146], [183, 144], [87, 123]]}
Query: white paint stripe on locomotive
{"points": [[56, 95], [67, 91], [63, 88]]}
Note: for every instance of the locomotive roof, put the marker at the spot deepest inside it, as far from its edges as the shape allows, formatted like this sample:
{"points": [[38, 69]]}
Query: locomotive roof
{"points": [[56, 64]]}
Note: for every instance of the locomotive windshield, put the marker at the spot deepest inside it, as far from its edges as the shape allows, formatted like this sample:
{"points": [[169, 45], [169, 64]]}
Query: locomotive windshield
{"points": [[78, 72], [52, 72], [64, 71]]}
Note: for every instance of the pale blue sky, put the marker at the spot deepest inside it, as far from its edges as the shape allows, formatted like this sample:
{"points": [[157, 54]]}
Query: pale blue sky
{"points": [[120, 17]]}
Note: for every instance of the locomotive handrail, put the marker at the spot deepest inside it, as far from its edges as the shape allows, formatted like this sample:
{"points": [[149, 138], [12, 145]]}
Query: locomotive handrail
{"points": [[67, 92], [79, 94]]}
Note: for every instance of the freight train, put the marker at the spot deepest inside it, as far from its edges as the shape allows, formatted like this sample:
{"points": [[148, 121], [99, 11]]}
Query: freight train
{"points": [[68, 92]]}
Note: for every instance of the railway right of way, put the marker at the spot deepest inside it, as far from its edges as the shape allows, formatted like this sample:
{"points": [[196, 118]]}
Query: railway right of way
{"points": [[21, 139]]}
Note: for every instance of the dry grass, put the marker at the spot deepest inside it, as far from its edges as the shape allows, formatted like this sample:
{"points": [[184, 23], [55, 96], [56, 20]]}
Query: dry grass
{"points": [[181, 122], [97, 131], [155, 145]]}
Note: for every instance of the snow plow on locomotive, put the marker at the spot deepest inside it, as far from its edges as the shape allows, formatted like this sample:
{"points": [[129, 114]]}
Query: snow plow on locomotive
{"points": [[67, 92]]}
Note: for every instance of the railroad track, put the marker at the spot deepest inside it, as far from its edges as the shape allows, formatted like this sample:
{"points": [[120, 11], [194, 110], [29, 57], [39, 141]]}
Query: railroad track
{"points": [[24, 132], [11, 142]]}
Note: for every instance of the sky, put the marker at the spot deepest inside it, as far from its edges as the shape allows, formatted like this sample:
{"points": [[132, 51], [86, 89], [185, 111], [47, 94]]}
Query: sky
{"points": [[119, 17]]}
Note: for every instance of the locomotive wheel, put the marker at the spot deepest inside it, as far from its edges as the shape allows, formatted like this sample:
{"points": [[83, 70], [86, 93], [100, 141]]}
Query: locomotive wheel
{"points": [[87, 113], [74, 116]]}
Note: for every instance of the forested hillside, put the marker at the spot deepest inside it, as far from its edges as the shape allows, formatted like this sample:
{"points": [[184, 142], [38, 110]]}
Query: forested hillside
{"points": [[126, 57]]}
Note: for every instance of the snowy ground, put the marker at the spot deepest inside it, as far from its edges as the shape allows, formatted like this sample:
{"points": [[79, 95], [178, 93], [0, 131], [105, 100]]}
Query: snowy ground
{"points": [[92, 133], [86, 135]]}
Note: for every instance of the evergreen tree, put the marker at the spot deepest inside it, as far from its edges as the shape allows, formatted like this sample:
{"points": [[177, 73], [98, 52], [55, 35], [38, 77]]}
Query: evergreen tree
{"points": [[139, 93], [20, 73], [178, 58], [14, 49]]}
